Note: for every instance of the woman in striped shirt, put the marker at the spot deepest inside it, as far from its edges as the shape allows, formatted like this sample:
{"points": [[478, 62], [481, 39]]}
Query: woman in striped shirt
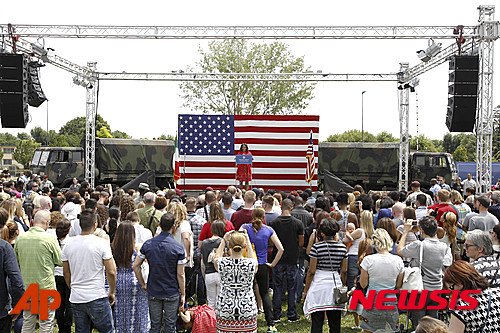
{"points": [[327, 268]]}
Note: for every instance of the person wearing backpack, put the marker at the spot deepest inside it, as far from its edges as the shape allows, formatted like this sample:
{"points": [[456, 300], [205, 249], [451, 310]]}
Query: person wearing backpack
{"points": [[433, 255]]}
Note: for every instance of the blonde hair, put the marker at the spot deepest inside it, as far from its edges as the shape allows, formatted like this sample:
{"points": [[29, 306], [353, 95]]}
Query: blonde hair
{"points": [[10, 206], [366, 222], [350, 198], [237, 241], [456, 197], [381, 240], [431, 325], [180, 213], [19, 208], [449, 223]]}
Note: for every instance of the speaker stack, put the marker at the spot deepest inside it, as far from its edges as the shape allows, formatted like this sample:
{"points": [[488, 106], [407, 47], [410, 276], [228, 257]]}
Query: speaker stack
{"points": [[14, 90], [35, 94], [462, 100]]}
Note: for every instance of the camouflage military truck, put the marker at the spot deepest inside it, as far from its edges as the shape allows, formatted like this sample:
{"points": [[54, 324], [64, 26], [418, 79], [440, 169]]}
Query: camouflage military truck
{"points": [[118, 161], [376, 165]]}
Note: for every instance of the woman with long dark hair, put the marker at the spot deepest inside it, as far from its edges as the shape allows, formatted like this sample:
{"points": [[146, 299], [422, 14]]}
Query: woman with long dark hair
{"points": [[244, 171], [64, 314], [131, 302], [327, 269]]}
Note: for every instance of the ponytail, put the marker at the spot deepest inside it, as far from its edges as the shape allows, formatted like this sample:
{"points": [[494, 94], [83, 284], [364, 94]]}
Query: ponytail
{"points": [[258, 216]]}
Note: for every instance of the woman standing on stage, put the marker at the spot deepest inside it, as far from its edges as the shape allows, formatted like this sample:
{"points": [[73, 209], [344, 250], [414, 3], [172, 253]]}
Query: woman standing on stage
{"points": [[244, 171]]}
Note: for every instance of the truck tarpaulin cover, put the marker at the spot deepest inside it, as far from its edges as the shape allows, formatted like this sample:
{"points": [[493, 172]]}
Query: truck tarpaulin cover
{"points": [[360, 163], [122, 155], [335, 184]]}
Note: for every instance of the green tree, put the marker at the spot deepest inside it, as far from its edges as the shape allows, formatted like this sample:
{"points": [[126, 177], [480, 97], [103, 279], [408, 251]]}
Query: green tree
{"points": [[460, 154], [7, 139], [424, 144], [386, 137], [352, 136], [103, 133], [166, 137], [120, 135], [246, 97], [23, 136], [55, 139], [74, 130], [24, 151]]}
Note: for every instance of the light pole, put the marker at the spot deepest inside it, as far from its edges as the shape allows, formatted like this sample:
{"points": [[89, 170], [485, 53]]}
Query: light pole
{"points": [[362, 113]]}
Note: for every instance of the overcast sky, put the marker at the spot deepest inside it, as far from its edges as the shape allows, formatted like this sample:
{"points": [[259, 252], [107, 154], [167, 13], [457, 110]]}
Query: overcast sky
{"points": [[149, 109]]}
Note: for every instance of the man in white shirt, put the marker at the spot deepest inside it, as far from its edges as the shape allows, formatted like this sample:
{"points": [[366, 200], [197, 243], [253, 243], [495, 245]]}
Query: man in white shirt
{"points": [[141, 234], [237, 200], [469, 182], [85, 259]]}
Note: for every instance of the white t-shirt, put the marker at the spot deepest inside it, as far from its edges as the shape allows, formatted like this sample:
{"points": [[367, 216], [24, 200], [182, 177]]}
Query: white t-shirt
{"points": [[383, 270], [85, 255], [142, 234], [75, 228], [58, 271], [185, 227]]}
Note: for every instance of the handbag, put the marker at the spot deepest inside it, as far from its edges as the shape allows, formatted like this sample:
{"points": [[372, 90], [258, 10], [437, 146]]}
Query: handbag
{"points": [[339, 293], [412, 279]]}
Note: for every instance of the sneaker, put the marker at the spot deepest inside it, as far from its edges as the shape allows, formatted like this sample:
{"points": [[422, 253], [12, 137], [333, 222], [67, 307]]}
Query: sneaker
{"points": [[272, 329], [293, 319], [355, 328], [276, 319]]}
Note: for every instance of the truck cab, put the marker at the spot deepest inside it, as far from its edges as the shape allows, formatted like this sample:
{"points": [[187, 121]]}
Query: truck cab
{"points": [[61, 164], [426, 165]]}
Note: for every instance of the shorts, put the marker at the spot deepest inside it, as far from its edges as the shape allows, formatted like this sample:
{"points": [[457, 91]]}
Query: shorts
{"points": [[372, 320]]}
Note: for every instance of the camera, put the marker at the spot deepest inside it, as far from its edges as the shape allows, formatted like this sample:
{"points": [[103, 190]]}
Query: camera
{"points": [[413, 222], [434, 213]]}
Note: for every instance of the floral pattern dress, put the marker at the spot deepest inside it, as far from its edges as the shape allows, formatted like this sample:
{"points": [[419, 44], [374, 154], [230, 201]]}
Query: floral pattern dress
{"points": [[131, 311], [236, 309]]}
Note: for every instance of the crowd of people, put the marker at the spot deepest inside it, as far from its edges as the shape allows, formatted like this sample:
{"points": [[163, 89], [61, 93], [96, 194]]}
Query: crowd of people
{"points": [[162, 261]]}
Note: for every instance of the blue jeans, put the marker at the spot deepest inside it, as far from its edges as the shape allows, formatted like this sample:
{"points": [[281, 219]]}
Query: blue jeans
{"points": [[300, 280], [97, 312], [163, 311], [282, 273], [352, 270]]}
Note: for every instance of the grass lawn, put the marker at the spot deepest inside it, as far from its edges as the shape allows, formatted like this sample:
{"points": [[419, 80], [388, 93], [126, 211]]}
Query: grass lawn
{"points": [[302, 326]]}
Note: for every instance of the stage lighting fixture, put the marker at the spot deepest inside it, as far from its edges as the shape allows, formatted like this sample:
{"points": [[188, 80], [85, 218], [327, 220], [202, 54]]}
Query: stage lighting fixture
{"points": [[430, 52]]}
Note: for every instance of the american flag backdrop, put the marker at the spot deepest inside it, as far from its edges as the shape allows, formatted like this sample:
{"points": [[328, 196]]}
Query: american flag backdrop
{"points": [[208, 145]]}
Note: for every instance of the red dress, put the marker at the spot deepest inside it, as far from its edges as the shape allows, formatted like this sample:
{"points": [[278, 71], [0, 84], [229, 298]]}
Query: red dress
{"points": [[244, 171]]}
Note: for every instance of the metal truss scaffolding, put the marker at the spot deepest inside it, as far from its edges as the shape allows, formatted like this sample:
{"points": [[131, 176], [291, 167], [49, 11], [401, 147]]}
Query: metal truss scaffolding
{"points": [[480, 38], [488, 33]]}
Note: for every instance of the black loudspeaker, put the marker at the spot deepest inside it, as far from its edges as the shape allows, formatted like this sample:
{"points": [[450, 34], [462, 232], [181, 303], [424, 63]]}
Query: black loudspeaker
{"points": [[35, 94], [461, 115], [14, 110], [14, 90], [463, 78]]}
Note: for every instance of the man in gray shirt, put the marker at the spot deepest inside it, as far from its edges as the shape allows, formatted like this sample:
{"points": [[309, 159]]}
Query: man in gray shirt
{"points": [[483, 221], [433, 255]]}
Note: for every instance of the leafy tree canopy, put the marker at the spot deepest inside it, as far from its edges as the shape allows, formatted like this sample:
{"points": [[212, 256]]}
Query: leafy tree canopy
{"points": [[232, 97], [103, 133], [7, 139], [24, 151]]}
